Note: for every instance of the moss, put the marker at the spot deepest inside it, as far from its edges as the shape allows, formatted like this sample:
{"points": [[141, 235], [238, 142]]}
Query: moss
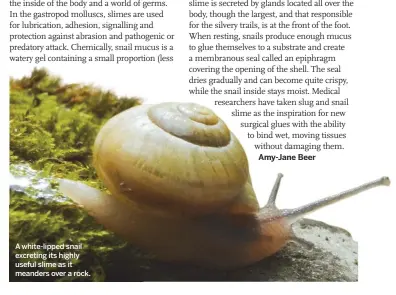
{"points": [[53, 125], [52, 128], [35, 221]]}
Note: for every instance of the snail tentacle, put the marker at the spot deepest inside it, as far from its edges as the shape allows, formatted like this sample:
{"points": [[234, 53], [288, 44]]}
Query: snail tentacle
{"points": [[293, 215], [274, 192]]}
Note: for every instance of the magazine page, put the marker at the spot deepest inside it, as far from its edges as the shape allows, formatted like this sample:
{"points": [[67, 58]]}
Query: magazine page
{"points": [[197, 141]]}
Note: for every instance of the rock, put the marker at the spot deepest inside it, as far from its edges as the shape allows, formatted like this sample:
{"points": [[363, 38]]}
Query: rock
{"points": [[334, 240], [38, 214], [334, 260]]}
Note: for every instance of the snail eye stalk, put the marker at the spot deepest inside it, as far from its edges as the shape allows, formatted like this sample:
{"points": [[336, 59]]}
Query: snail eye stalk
{"points": [[274, 192]]}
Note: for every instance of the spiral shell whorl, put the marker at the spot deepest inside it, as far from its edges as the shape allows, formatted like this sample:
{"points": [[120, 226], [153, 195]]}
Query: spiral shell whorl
{"points": [[178, 158], [191, 122]]}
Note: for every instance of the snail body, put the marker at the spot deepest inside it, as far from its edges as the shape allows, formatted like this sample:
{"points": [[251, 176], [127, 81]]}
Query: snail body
{"points": [[181, 189]]}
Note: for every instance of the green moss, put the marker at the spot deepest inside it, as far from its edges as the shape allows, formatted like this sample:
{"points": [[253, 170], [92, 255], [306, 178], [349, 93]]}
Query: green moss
{"points": [[52, 128], [37, 221], [53, 125]]}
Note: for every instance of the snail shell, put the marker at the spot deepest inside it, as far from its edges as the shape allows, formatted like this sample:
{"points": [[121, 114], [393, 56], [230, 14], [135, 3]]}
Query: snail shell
{"points": [[178, 158]]}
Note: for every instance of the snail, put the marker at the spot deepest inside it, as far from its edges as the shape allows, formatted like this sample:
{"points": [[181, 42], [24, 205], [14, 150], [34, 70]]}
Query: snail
{"points": [[181, 189]]}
